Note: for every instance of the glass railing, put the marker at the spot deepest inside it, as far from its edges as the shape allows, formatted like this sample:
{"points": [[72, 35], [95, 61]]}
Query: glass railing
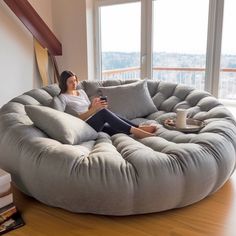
{"points": [[227, 84], [188, 76], [193, 77]]}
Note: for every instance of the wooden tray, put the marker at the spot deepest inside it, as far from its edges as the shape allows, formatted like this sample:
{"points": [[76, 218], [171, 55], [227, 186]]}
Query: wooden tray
{"points": [[193, 125]]}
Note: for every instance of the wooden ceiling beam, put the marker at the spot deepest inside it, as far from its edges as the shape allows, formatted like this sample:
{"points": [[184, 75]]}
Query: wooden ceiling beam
{"points": [[34, 23]]}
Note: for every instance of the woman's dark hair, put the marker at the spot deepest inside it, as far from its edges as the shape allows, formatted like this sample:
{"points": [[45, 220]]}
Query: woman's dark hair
{"points": [[63, 78]]}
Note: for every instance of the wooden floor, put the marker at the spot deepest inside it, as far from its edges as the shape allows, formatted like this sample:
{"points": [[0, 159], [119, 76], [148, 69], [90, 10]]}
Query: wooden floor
{"points": [[215, 215]]}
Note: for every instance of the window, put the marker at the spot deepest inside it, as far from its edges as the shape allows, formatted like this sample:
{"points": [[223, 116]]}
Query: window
{"points": [[177, 41], [120, 33], [227, 83], [180, 41]]}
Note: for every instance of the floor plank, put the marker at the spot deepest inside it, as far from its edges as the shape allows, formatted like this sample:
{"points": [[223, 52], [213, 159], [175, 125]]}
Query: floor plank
{"points": [[215, 215]]}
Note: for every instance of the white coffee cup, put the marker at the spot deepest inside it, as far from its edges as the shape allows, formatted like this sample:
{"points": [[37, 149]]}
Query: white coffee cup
{"points": [[181, 118]]}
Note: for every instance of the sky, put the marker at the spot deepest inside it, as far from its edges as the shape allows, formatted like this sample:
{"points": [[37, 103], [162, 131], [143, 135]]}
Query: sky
{"points": [[229, 28], [120, 27], [179, 26]]}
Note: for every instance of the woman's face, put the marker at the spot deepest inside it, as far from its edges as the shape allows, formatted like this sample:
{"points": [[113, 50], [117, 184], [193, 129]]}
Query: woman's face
{"points": [[71, 83]]}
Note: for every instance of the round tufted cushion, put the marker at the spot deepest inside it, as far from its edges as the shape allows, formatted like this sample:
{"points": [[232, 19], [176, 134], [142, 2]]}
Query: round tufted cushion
{"points": [[121, 175]]}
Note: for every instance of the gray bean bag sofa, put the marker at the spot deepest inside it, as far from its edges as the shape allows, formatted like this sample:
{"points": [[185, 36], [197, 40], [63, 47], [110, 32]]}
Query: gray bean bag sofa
{"points": [[120, 175]]}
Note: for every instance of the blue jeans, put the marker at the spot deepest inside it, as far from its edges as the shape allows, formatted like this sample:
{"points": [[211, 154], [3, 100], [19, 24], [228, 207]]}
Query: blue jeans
{"points": [[106, 121]]}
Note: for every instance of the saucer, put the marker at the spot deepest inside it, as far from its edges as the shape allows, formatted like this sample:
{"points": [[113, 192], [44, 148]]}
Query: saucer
{"points": [[192, 125]]}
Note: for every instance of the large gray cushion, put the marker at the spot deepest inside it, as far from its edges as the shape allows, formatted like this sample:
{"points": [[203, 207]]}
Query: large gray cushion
{"points": [[129, 100], [60, 126], [119, 174]]}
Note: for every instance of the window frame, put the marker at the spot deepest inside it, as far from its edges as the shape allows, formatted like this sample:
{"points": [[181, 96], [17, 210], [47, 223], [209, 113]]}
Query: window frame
{"points": [[213, 44], [214, 39], [97, 30]]}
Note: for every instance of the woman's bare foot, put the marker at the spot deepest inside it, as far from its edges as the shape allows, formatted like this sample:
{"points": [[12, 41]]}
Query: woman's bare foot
{"points": [[148, 128], [139, 133]]}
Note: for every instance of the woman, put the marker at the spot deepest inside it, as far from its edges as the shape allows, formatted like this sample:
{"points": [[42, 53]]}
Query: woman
{"points": [[95, 113]]}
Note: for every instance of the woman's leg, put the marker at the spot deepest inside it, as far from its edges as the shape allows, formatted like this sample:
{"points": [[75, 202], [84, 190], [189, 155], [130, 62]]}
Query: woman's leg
{"points": [[98, 120], [103, 116], [127, 121], [109, 130], [148, 128]]}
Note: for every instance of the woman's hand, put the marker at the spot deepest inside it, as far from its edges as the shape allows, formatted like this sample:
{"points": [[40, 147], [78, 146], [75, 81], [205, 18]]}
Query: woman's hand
{"points": [[96, 99], [98, 104], [95, 105]]}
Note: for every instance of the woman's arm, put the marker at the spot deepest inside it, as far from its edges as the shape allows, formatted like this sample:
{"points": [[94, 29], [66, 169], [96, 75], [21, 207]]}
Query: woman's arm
{"points": [[88, 113]]}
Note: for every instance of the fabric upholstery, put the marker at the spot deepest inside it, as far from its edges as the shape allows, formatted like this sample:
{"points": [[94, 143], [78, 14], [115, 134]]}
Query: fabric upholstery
{"points": [[57, 104], [119, 174], [129, 100], [60, 126]]}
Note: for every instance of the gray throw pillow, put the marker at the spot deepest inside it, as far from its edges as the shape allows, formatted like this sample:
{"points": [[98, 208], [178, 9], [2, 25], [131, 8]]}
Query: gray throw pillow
{"points": [[129, 100], [60, 126]]}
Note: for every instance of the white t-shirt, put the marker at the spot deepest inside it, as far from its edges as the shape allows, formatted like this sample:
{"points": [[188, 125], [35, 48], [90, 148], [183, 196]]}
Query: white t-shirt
{"points": [[79, 103]]}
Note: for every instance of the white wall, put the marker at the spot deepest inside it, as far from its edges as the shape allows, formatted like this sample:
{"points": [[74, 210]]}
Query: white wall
{"points": [[18, 71], [16, 55], [90, 39], [44, 9], [70, 25], [70, 20]]}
